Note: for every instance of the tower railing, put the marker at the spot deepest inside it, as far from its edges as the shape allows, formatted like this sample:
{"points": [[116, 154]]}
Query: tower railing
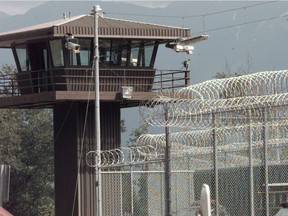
{"points": [[78, 79]]}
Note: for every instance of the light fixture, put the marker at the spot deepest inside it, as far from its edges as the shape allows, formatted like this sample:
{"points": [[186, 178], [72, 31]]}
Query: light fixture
{"points": [[183, 48], [185, 44], [127, 92]]}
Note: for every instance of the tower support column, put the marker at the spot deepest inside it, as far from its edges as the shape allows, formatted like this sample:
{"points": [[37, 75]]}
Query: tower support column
{"points": [[73, 139]]}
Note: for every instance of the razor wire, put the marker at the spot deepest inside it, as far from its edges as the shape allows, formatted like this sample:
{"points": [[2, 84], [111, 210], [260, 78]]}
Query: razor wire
{"points": [[230, 106], [261, 83], [233, 142], [121, 156], [194, 106], [219, 109]]}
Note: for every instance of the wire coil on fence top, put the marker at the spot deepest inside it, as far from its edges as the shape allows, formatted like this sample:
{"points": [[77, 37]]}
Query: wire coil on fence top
{"points": [[194, 106], [261, 83], [121, 156], [232, 144], [221, 110], [233, 114]]}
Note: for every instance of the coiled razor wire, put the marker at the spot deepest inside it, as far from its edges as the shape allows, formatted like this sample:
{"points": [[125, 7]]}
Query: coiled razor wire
{"points": [[121, 156], [261, 83], [233, 143], [220, 109], [227, 97]]}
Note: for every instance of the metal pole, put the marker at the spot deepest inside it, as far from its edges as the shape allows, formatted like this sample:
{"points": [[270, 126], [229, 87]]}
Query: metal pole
{"points": [[167, 167], [131, 184], [96, 11], [215, 148], [252, 205], [266, 162]]}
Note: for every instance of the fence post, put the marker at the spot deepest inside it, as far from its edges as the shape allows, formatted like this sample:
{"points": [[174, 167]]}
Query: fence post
{"points": [[264, 131], [131, 185], [172, 82], [161, 81], [167, 166], [187, 77], [250, 135], [191, 183], [215, 149]]}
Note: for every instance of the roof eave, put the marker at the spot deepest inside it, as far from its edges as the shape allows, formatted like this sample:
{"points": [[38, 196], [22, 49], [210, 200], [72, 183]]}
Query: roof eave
{"points": [[149, 32]]}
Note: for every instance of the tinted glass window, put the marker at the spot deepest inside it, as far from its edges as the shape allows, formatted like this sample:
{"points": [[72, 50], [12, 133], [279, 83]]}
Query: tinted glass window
{"points": [[57, 53], [22, 56]]}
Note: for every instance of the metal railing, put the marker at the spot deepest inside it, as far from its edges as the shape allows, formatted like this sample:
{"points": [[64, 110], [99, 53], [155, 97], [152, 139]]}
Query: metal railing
{"points": [[111, 80], [8, 86], [171, 80]]}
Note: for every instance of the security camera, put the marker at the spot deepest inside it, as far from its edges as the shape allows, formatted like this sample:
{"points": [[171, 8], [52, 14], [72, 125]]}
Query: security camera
{"points": [[72, 46], [71, 43]]}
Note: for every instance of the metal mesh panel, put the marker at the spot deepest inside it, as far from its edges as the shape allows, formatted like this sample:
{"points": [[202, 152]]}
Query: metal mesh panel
{"points": [[181, 184], [112, 194]]}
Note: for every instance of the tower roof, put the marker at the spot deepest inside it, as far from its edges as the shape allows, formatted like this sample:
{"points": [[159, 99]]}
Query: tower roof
{"points": [[83, 26]]}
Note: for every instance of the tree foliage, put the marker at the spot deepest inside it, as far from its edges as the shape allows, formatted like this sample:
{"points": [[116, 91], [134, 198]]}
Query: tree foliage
{"points": [[26, 144], [27, 147], [137, 132], [222, 75], [123, 126]]}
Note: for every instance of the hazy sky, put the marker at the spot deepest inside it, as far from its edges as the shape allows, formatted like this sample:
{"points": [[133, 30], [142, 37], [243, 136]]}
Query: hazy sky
{"points": [[18, 7], [21, 7]]}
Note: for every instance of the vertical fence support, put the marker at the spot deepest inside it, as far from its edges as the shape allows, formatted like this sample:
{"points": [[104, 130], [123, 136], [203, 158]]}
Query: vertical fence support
{"points": [[266, 168], [215, 150], [250, 134], [161, 81], [172, 82], [191, 184], [187, 73], [131, 184], [167, 166]]}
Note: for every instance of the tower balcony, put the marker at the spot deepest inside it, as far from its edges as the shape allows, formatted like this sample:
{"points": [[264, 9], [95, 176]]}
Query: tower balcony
{"points": [[60, 84]]}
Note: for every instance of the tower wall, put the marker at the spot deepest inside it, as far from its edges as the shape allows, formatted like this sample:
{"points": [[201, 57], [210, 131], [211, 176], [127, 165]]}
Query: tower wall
{"points": [[73, 139]]}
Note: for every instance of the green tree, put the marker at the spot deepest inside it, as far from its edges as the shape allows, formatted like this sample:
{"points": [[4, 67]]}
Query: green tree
{"points": [[123, 126], [137, 132], [30, 155], [26, 144], [222, 75]]}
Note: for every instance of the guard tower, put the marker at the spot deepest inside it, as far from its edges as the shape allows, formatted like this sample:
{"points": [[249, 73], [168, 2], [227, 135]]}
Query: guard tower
{"points": [[53, 73]]}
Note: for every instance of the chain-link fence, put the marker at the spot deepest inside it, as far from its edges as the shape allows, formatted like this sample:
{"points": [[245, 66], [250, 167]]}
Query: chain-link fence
{"points": [[142, 192], [242, 182], [231, 134]]}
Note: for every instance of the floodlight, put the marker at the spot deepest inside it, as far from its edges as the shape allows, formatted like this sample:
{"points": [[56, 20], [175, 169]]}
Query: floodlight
{"points": [[185, 44], [127, 92]]}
